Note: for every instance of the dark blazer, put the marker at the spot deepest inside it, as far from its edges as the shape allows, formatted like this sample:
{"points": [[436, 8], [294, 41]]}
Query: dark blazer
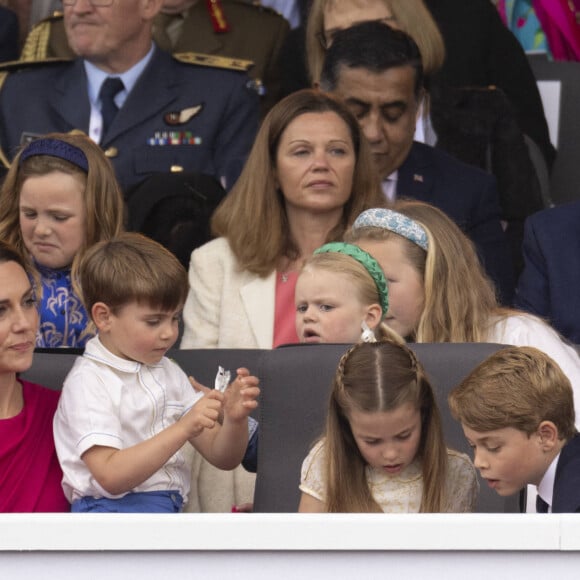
{"points": [[53, 97], [469, 196], [549, 285], [566, 497], [8, 35]]}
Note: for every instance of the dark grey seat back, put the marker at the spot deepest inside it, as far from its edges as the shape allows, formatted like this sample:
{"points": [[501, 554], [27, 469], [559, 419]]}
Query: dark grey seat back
{"points": [[296, 383]]}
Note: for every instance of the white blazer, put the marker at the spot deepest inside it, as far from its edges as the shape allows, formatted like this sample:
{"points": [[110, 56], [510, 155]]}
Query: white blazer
{"points": [[227, 307]]}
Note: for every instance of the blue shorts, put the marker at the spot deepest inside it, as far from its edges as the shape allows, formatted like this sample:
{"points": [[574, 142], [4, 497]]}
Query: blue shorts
{"points": [[152, 502]]}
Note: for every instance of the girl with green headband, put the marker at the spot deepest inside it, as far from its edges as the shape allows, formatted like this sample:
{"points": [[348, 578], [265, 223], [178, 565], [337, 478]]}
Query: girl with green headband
{"points": [[341, 296]]}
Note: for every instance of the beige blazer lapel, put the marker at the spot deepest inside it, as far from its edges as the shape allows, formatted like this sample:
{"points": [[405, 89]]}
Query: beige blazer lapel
{"points": [[258, 297]]}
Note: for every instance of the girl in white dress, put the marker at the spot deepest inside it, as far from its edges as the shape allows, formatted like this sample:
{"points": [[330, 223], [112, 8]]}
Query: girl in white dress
{"points": [[383, 447]]}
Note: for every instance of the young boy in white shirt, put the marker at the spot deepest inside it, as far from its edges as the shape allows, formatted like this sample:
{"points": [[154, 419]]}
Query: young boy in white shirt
{"points": [[126, 410]]}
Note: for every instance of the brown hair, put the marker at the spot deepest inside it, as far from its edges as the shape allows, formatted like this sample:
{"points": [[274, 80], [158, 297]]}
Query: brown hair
{"points": [[460, 302], [131, 268], [516, 387], [253, 216], [377, 377], [412, 17], [102, 197], [9, 254]]}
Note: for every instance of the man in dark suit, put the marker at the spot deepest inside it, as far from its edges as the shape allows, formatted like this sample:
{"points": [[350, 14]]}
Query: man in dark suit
{"points": [[230, 28], [377, 71], [8, 35], [549, 284], [480, 51], [167, 114]]}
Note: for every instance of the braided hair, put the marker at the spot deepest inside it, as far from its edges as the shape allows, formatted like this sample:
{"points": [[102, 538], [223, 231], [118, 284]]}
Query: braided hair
{"points": [[373, 378]]}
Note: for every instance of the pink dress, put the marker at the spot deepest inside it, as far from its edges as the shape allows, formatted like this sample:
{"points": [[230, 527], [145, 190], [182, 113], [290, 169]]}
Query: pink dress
{"points": [[30, 475]]}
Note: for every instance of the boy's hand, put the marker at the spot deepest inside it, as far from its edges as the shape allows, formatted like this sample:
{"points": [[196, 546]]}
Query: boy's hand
{"points": [[204, 414], [241, 395]]}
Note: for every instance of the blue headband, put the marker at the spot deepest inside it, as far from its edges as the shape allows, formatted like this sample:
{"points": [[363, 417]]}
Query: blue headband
{"points": [[366, 260], [56, 148], [395, 222]]}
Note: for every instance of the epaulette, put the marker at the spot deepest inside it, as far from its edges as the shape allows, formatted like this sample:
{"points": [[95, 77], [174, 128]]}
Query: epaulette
{"points": [[36, 43], [14, 65], [214, 60]]}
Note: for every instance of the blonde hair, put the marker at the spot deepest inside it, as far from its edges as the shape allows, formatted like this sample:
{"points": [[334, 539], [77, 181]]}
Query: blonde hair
{"points": [[132, 268], [373, 378], [253, 216], [460, 302], [516, 387], [355, 272], [412, 17], [102, 196]]}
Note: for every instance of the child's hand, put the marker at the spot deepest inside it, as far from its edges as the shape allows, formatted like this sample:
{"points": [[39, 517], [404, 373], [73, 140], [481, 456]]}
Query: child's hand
{"points": [[204, 414], [198, 387], [241, 395]]}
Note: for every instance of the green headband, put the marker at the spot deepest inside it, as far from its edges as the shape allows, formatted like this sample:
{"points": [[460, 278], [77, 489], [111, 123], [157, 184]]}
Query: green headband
{"points": [[366, 260]]}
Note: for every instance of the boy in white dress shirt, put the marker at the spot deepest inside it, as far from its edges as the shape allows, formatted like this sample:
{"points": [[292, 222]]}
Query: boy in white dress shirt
{"points": [[126, 410]]}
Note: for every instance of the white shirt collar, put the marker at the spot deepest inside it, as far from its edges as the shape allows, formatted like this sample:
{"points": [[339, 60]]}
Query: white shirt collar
{"points": [[389, 186], [96, 350]]}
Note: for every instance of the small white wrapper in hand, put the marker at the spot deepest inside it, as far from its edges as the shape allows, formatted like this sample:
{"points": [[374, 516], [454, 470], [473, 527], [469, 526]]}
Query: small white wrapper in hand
{"points": [[222, 380]]}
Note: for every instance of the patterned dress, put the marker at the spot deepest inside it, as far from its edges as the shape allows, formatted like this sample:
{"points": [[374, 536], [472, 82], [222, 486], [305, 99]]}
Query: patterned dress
{"points": [[63, 319]]}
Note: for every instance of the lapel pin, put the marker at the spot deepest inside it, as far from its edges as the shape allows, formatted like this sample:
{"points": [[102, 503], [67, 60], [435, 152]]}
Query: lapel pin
{"points": [[417, 177]]}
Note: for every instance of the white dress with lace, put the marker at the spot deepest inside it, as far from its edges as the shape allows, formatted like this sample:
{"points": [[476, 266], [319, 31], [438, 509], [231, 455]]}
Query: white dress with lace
{"points": [[400, 493]]}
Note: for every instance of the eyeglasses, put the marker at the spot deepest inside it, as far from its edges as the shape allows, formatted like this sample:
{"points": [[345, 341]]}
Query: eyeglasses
{"points": [[326, 37], [95, 3]]}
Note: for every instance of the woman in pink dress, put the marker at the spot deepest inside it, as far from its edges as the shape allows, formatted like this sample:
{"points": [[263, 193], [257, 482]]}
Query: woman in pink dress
{"points": [[30, 475]]}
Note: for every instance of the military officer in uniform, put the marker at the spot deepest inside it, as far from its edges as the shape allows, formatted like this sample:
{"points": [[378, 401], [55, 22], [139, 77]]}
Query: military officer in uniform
{"points": [[229, 28], [149, 111]]}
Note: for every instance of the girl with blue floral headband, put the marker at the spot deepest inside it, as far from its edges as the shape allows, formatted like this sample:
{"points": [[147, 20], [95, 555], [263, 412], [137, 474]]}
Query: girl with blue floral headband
{"points": [[438, 291], [60, 196]]}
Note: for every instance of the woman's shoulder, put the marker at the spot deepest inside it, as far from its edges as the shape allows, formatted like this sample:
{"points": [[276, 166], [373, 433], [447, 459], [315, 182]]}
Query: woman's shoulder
{"points": [[42, 397], [217, 250], [216, 246]]}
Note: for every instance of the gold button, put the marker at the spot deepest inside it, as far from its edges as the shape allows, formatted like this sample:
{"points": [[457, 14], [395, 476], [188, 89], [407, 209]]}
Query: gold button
{"points": [[111, 152]]}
